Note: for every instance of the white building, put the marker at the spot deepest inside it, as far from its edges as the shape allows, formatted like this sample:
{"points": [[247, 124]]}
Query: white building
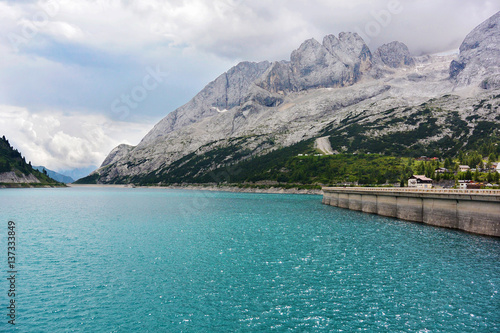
{"points": [[463, 168], [419, 181]]}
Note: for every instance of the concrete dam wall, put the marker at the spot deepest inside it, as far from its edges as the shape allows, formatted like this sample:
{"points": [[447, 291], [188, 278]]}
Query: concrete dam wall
{"points": [[475, 211]]}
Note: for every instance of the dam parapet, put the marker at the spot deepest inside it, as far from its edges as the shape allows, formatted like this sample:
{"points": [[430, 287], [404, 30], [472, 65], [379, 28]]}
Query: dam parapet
{"points": [[475, 211]]}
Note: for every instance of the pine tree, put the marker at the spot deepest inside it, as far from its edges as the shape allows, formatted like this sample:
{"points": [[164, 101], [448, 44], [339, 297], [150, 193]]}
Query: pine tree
{"points": [[461, 157], [447, 163], [429, 170], [438, 177], [489, 177], [492, 157], [476, 175], [421, 168]]}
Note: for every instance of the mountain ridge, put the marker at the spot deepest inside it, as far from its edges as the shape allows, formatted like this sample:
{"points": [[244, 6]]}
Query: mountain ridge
{"points": [[55, 175], [279, 104]]}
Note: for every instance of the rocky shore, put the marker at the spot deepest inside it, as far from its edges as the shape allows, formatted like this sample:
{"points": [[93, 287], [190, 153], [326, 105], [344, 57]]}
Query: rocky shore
{"points": [[201, 187], [275, 190]]}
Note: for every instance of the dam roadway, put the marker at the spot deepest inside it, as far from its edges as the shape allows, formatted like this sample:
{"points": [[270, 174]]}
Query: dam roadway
{"points": [[475, 211]]}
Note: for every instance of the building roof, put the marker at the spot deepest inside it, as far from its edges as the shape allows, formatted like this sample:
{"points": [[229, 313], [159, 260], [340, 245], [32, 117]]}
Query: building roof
{"points": [[421, 177]]}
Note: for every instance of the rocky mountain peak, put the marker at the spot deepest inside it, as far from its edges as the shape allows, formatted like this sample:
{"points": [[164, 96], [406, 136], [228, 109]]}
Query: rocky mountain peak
{"points": [[225, 92], [339, 61], [479, 60], [116, 154], [353, 46], [485, 35], [313, 66], [395, 55], [350, 49], [310, 54]]}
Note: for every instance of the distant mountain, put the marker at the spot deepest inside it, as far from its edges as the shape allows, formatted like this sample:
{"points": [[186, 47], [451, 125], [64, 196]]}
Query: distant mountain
{"points": [[14, 171], [385, 102], [78, 173], [55, 175]]}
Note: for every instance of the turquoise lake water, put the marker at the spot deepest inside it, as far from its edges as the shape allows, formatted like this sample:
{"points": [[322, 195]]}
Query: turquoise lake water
{"points": [[155, 260]]}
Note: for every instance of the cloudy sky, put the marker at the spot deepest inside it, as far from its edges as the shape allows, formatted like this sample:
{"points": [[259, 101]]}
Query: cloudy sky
{"points": [[79, 77]]}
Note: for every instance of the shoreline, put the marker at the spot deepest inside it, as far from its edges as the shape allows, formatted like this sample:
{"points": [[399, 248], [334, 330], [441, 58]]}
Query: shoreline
{"points": [[213, 188], [30, 185], [235, 189], [100, 185]]}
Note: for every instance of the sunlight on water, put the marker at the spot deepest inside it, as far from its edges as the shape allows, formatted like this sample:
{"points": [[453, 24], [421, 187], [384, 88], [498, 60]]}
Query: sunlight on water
{"points": [[149, 260]]}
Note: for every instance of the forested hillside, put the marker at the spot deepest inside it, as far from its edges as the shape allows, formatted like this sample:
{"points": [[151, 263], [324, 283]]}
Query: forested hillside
{"points": [[15, 171]]}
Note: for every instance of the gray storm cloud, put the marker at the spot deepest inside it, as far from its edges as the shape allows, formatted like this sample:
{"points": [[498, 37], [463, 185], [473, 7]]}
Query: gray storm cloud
{"points": [[61, 56]]}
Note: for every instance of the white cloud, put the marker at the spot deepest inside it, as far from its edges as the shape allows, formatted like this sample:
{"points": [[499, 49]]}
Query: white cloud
{"points": [[61, 141], [83, 55], [64, 31], [238, 29]]}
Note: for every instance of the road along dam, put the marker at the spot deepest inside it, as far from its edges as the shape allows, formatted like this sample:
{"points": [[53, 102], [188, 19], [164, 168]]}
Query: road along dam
{"points": [[475, 211]]}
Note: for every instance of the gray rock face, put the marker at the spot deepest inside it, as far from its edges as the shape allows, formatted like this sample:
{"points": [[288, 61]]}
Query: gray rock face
{"points": [[351, 49], [312, 66], [338, 62], [11, 177], [224, 93], [263, 97], [491, 82], [277, 79], [116, 154], [455, 68], [479, 57], [394, 55]]}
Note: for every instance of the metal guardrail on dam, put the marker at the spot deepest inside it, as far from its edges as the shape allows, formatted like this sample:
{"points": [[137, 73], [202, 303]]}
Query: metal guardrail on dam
{"points": [[414, 190], [476, 211]]}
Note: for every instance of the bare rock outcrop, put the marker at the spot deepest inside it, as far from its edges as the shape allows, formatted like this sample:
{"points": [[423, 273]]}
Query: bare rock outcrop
{"points": [[394, 55], [116, 154], [12, 177], [338, 62], [479, 60]]}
